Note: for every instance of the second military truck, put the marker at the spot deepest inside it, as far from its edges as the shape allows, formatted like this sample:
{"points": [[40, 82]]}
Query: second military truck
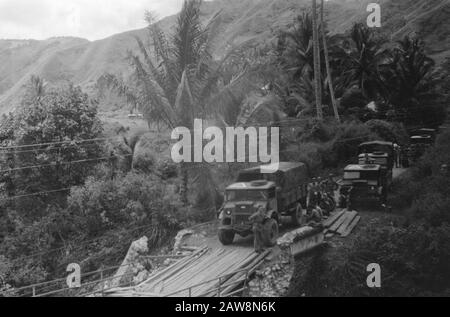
{"points": [[280, 189]]}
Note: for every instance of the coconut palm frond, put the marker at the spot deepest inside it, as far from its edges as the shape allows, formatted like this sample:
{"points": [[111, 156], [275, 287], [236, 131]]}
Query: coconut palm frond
{"points": [[217, 72], [261, 109], [227, 101], [184, 102], [152, 95], [189, 35], [211, 30]]}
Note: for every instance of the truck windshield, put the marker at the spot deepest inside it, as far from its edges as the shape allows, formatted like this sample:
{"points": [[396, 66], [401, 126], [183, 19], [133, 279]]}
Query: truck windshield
{"points": [[246, 195], [374, 148], [424, 140], [356, 175]]}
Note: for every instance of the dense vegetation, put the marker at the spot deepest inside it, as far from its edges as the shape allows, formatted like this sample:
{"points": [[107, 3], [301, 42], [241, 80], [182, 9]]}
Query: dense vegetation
{"points": [[67, 200], [412, 249]]}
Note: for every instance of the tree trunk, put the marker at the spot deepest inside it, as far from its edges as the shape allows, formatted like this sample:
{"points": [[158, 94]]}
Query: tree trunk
{"points": [[317, 75], [184, 184], [327, 64]]}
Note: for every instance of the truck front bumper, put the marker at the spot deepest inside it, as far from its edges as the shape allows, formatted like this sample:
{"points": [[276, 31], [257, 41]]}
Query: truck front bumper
{"points": [[241, 228]]}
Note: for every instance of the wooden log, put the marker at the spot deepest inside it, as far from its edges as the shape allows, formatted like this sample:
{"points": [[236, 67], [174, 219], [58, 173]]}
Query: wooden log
{"points": [[241, 261], [330, 221], [347, 222], [200, 272], [251, 267], [352, 226], [307, 243], [338, 223], [181, 263]]}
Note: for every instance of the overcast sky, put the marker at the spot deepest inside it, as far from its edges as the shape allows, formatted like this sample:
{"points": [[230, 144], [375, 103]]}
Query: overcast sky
{"points": [[90, 19]]}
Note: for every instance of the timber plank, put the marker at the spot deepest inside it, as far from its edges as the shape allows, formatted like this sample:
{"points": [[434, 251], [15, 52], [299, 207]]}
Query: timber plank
{"points": [[351, 226], [330, 221], [338, 223], [347, 222], [181, 278]]}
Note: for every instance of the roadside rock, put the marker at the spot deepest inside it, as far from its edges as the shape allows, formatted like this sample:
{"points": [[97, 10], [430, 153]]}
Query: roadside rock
{"points": [[131, 266], [290, 237], [179, 239], [273, 279]]}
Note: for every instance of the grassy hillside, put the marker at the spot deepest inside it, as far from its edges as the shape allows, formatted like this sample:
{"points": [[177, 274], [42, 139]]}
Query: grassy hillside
{"points": [[82, 62]]}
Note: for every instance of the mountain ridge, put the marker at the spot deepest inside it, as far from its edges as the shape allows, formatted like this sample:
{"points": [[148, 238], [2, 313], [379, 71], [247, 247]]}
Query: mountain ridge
{"points": [[82, 61]]}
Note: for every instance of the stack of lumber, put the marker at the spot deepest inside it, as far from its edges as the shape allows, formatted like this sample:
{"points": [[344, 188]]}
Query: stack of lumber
{"points": [[200, 272], [342, 223]]}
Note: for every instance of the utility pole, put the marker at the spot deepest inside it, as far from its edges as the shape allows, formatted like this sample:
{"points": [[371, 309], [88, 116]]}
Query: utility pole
{"points": [[317, 73], [327, 64]]}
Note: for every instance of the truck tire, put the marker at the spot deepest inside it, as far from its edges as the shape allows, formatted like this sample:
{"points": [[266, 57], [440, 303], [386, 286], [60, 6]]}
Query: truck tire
{"points": [[270, 235], [298, 216], [226, 237]]}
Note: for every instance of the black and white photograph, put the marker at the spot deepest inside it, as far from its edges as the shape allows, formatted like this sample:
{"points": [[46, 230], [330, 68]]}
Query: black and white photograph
{"points": [[227, 155]]}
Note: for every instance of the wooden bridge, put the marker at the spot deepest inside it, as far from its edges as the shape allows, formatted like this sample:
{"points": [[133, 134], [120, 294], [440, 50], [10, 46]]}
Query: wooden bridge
{"points": [[208, 272]]}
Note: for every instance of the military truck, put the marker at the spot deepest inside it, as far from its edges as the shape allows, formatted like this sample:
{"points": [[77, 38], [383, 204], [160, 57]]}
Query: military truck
{"points": [[419, 144], [280, 189], [379, 153], [426, 132], [363, 184]]}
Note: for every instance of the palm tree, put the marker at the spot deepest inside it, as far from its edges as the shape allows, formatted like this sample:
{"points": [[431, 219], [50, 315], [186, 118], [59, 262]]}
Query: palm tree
{"points": [[317, 72], [183, 82], [361, 61], [409, 84], [327, 64], [297, 59]]}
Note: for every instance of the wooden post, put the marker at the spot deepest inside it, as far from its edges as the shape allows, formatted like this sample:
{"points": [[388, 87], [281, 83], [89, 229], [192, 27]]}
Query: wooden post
{"points": [[327, 64], [317, 69]]}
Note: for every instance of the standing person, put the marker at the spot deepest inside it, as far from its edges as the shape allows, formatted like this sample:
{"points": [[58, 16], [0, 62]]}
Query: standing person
{"points": [[349, 199], [257, 220], [331, 186]]}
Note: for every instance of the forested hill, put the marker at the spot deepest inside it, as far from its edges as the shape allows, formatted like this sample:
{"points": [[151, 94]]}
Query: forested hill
{"points": [[83, 62]]}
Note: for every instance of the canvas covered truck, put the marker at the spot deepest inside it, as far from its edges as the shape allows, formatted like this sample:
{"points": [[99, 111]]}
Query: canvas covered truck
{"points": [[426, 132], [418, 145], [363, 184], [281, 190]]}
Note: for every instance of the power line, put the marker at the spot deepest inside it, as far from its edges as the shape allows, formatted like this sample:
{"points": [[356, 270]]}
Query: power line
{"points": [[52, 149], [37, 194], [63, 163], [57, 142]]}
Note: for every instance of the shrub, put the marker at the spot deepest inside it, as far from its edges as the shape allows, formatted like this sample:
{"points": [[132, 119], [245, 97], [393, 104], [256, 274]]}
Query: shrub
{"points": [[348, 138], [388, 131], [135, 199]]}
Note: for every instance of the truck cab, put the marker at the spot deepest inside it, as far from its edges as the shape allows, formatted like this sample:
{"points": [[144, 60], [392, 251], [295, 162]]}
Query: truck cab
{"points": [[379, 153], [363, 183], [382, 153], [426, 132], [244, 199], [280, 189], [418, 146]]}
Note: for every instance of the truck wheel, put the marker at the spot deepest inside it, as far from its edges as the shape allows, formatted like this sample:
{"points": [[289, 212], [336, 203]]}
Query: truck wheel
{"points": [[298, 217], [226, 237], [270, 235]]}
